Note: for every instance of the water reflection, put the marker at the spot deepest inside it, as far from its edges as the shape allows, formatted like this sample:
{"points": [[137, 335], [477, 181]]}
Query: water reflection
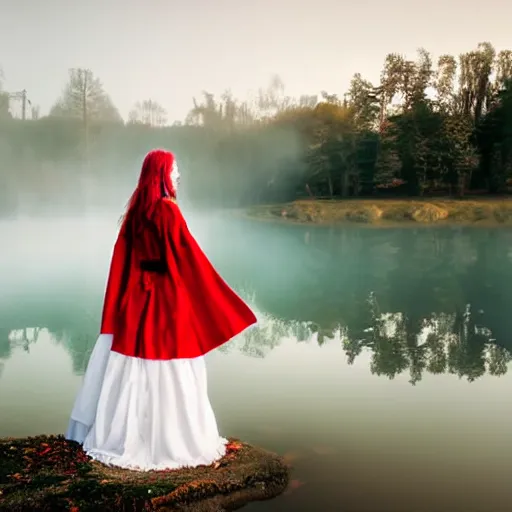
{"points": [[429, 300], [403, 304], [452, 343]]}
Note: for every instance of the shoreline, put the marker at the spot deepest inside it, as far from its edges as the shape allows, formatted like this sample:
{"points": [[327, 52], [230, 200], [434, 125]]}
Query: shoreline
{"points": [[50, 473], [390, 213]]}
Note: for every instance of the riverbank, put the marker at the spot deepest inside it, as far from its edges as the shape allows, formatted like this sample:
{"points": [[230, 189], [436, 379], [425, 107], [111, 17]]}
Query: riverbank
{"points": [[481, 211], [49, 473]]}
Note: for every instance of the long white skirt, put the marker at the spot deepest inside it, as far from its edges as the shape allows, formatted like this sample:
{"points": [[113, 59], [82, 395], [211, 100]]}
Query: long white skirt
{"points": [[144, 414]]}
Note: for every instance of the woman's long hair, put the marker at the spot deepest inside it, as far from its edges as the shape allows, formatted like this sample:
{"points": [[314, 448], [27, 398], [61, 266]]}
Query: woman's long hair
{"points": [[154, 183]]}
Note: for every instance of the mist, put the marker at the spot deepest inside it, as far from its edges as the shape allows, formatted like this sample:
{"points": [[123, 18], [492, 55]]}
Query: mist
{"points": [[83, 159]]}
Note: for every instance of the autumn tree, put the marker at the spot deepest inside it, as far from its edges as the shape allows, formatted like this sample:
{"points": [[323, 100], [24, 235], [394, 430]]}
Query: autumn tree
{"points": [[444, 82], [391, 80], [475, 86], [363, 101]]}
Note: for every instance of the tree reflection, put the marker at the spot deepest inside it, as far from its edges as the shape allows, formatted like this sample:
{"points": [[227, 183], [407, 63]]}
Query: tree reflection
{"points": [[5, 344], [402, 296], [439, 343], [12, 339]]}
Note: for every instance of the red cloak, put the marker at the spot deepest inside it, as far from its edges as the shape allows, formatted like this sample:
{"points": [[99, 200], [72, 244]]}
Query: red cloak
{"points": [[164, 299]]}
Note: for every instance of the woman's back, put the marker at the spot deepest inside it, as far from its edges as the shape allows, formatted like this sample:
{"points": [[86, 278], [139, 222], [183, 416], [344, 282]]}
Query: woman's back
{"points": [[160, 280], [144, 402]]}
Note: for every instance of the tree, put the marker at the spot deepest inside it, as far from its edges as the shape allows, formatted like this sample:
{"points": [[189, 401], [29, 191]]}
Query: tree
{"points": [[494, 139], [149, 113], [388, 164], [460, 157], [224, 114], [207, 114], [421, 79], [4, 99], [363, 102], [503, 68], [445, 81], [84, 98], [391, 80], [272, 99], [475, 80], [34, 110]]}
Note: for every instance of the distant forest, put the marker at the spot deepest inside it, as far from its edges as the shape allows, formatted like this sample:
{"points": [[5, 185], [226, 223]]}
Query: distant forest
{"points": [[427, 128]]}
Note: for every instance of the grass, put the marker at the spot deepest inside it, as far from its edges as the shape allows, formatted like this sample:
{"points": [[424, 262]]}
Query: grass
{"points": [[482, 211], [49, 473]]}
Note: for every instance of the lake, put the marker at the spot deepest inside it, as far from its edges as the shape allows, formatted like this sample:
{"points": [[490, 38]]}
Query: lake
{"points": [[380, 367]]}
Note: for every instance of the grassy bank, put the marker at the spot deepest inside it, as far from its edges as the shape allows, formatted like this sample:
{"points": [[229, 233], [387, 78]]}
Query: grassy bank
{"points": [[48, 473], [481, 211]]}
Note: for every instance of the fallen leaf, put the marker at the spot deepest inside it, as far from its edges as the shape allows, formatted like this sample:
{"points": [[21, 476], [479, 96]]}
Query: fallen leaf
{"points": [[233, 446]]}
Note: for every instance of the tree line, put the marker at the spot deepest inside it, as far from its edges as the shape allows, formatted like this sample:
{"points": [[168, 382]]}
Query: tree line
{"points": [[426, 128]]}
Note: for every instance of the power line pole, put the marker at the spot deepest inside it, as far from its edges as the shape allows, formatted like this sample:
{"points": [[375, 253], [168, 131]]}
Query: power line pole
{"points": [[22, 95], [24, 104]]}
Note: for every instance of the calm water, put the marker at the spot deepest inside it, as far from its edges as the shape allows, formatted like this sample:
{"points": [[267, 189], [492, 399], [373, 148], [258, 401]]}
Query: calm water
{"points": [[380, 367]]}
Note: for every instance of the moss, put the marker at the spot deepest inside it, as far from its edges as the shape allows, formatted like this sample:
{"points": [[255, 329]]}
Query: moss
{"points": [[503, 215], [390, 211], [367, 214], [49, 473], [428, 213]]}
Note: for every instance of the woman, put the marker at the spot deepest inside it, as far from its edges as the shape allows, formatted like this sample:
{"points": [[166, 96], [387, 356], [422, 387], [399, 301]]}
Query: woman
{"points": [[143, 404]]}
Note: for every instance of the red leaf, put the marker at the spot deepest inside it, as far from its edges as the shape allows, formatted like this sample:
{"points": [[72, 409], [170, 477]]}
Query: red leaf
{"points": [[45, 451], [233, 446]]}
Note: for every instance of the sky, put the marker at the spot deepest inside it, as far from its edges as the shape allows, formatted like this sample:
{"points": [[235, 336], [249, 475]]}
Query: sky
{"points": [[171, 50]]}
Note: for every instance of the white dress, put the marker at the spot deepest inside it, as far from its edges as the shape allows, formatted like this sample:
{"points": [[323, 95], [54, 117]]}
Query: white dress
{"points": [[145, 414]]}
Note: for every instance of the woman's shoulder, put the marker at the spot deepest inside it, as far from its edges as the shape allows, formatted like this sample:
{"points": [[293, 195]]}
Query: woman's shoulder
{"points": [[170, 208], [169, 203]]}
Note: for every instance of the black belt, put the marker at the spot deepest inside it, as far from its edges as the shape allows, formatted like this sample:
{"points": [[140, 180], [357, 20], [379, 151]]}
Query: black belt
{"points": [[158, 266]]}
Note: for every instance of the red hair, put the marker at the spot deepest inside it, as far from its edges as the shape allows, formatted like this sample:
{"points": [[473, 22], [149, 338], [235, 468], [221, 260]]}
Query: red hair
{"points": [[154, 183]]}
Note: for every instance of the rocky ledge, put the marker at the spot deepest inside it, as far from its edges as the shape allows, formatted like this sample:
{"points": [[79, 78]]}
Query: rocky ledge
{"points": [[49, 473]]}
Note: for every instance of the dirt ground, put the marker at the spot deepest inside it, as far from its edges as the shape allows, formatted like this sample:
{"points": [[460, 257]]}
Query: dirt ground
{"points": [[480, 211]]}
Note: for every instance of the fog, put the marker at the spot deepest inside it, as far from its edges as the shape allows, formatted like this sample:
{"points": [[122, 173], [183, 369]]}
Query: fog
{"points": [[83, 158]]}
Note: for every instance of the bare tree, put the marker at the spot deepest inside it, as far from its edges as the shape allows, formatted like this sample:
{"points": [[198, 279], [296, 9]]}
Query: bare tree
{"points": [[35, 112], [83, 97], [4, 99], [149, 113]]}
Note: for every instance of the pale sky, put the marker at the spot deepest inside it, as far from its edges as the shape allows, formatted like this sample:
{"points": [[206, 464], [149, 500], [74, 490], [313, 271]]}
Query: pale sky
{"points": [[171, 50]]}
